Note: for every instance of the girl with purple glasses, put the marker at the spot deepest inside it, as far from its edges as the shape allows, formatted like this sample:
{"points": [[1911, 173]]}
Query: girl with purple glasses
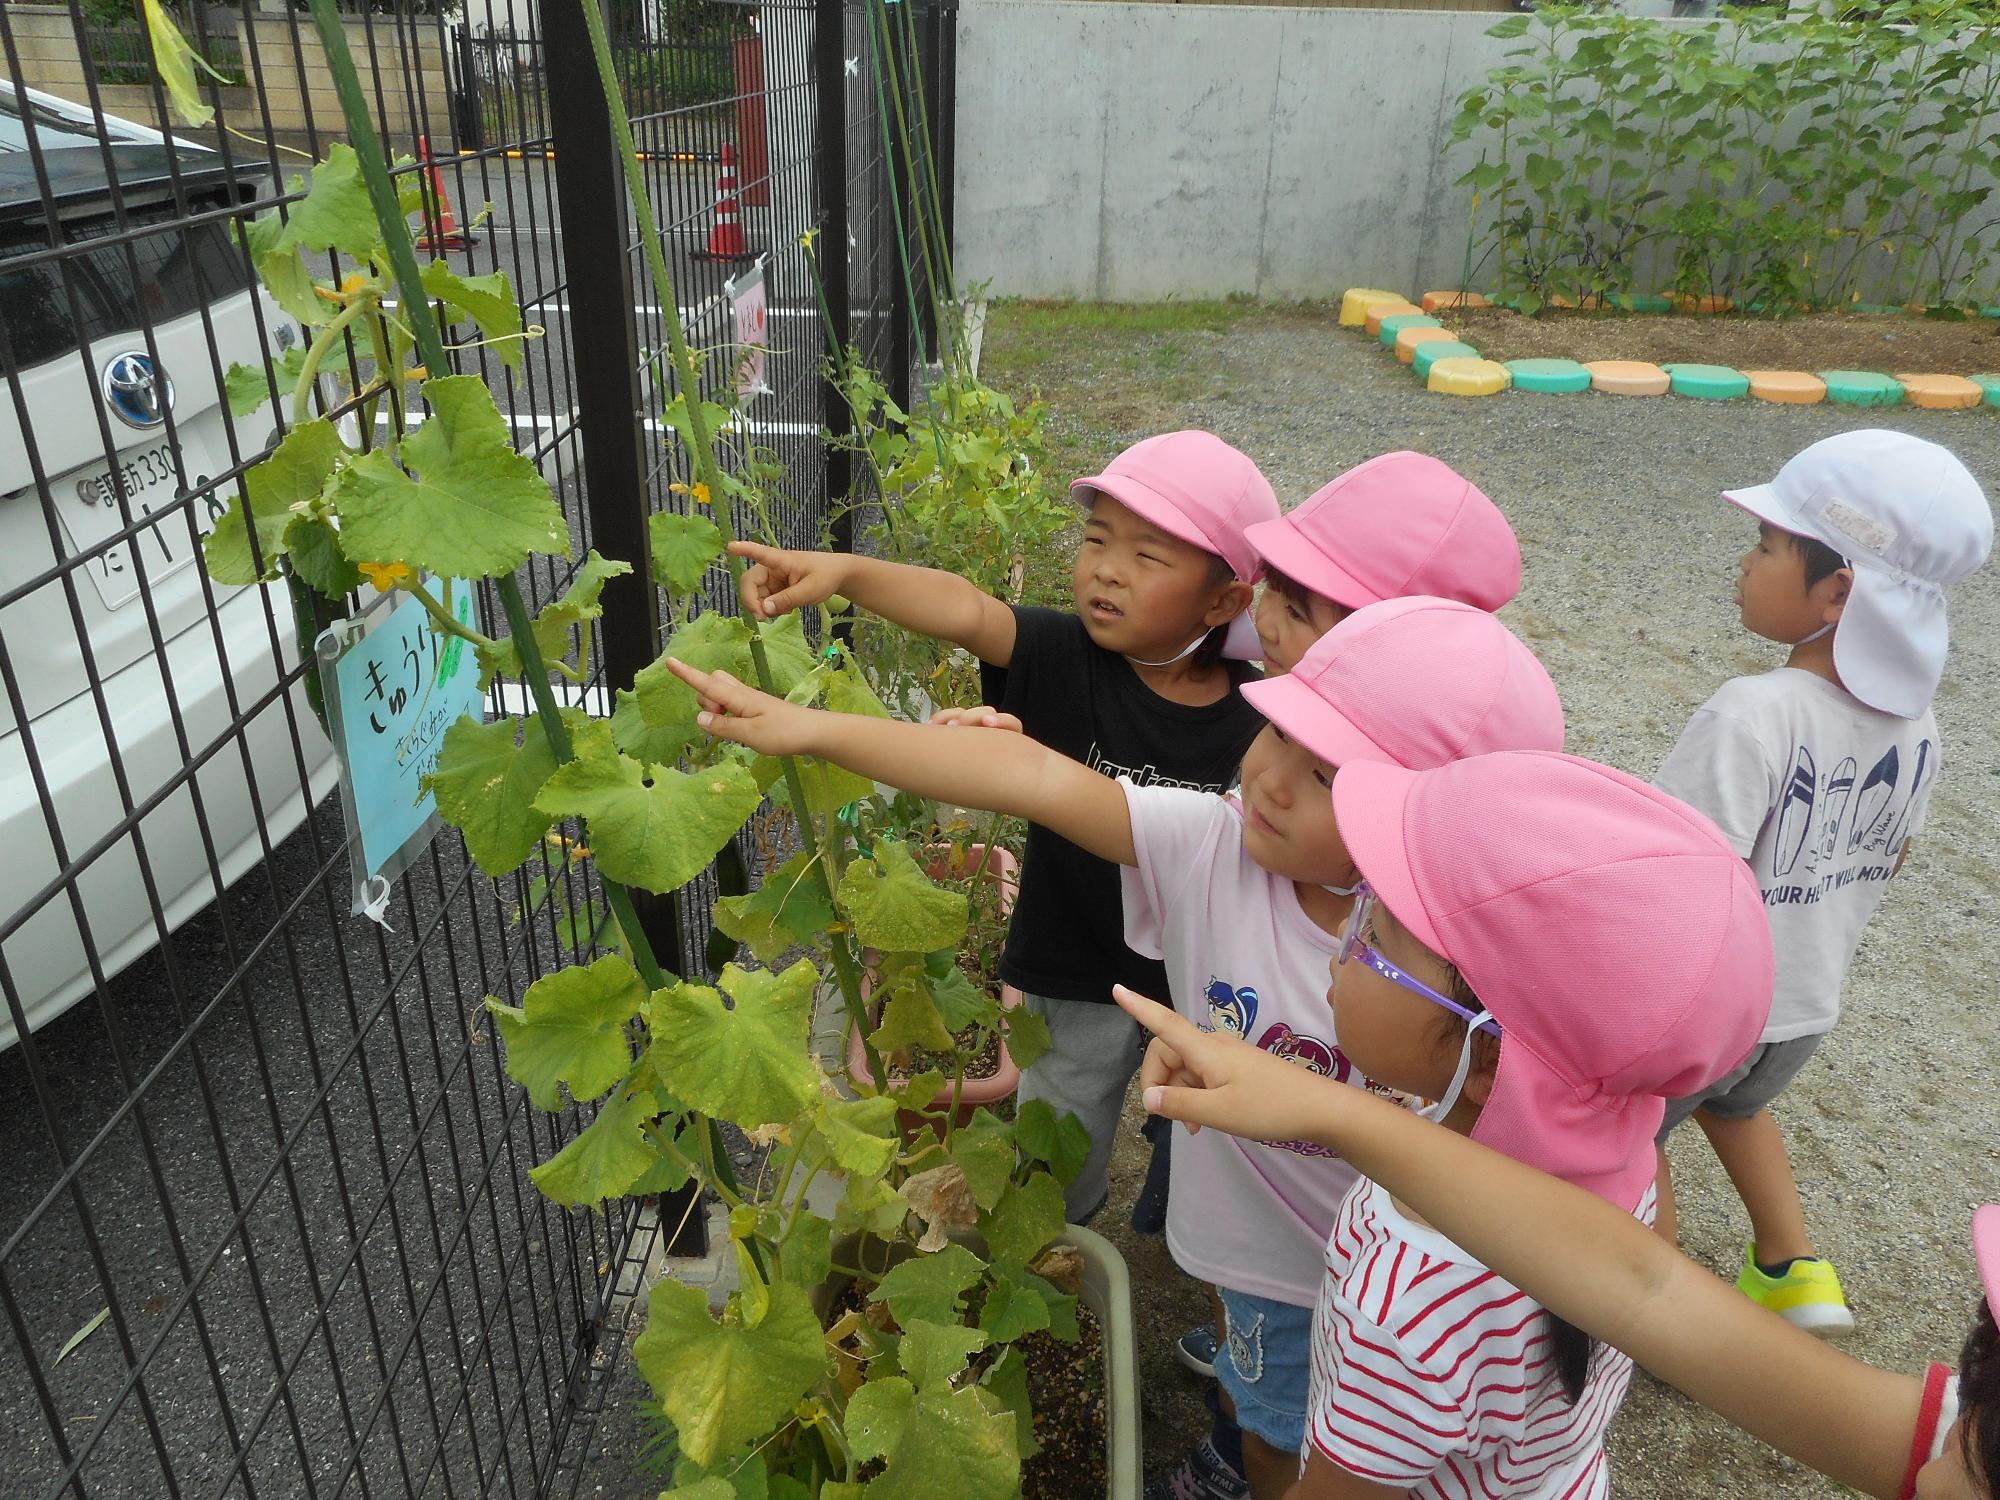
{"points": [[1243, 898]]}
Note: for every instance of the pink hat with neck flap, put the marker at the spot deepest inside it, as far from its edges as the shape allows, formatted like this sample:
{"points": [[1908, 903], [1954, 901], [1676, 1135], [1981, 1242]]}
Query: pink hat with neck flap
{"points": [[1193, 486], [1416, 682], [1403, 523], [1609, 928]]}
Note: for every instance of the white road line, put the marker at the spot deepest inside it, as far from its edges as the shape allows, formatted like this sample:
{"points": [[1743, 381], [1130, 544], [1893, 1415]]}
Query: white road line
{"points": [[514, 698]]}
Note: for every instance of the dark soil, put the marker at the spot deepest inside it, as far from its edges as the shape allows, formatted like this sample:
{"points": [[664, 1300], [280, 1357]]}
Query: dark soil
{"points": [[982, 1064], [1066, 1389], [1889, 342]]}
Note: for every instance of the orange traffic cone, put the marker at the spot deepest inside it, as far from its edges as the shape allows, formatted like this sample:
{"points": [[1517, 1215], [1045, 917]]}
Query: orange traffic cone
{"points": [[445, 233], [725, 236]]}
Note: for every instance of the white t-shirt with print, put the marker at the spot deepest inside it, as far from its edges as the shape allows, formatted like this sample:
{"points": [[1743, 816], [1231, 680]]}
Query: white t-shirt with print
{"points": [[1818, 792], [1242, 956], [1433, 1375]]}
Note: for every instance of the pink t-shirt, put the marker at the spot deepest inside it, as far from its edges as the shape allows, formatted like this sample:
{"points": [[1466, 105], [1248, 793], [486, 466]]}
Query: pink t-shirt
{"points": [[1242, 956], [1430, 1374]]}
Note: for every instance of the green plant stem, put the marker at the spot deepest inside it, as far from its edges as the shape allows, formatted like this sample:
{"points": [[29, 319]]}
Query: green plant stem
{"points": [[846, 970], [439, 615], [316, 352]]}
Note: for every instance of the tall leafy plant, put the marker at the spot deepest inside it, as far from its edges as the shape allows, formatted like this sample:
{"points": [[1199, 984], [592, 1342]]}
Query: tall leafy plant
{"points": [[948, 1237]]}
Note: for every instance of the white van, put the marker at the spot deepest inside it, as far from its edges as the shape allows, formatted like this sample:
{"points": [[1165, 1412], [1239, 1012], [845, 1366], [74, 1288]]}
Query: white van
{"points": [[92, 584]]}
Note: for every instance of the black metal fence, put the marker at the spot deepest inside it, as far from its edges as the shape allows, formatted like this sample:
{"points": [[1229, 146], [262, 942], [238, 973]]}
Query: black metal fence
{"points": [[266, 1228]]}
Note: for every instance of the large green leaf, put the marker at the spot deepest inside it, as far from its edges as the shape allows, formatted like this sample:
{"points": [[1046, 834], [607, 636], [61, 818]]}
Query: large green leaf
{"points": [[570, 1028], [828, 787], [806, 1257], [607, 1157], [637, 738], [486, 782], [656, 833], [986, 1157], [724, 1385], [787, 652], [1028, 1216], [788, 909], [1007, 1379], [578, 606], [487, 300], [1021, 1302], [745, 1063], [714, 643], [934, 1353], [909, 1019], [896, 907], [336, 213], [294, 474], [469, 505], [1028, 1036], [283, 270], [935, 1443], [314, 549], [861, 1134], [929, 1287], [1061, 1142], [683, 548]]}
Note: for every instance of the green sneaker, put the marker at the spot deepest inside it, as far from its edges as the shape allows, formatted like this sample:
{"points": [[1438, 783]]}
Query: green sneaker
{"points": [[1807, 1296]]}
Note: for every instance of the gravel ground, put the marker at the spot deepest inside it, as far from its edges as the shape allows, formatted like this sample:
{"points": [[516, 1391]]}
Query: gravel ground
{"points": [[1629, 559]]}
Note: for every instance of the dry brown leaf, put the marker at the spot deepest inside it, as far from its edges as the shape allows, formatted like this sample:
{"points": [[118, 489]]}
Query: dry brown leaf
{"points": [[942, 1198], [1061, 1266]]}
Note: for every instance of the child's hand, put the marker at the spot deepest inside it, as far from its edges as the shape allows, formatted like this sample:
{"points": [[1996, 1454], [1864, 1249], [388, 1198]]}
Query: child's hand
{"points": [[1204, 1078], [779, 581], [733, 710], [978, 718]]}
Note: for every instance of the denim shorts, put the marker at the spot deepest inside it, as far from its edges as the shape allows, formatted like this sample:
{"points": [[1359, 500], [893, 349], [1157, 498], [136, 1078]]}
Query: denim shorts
{"points": [[1265, 1366], [1757, 1080]]}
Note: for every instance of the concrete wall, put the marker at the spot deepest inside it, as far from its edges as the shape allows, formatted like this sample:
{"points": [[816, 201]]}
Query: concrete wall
{"points": [[1130, 152], [298, 83]]}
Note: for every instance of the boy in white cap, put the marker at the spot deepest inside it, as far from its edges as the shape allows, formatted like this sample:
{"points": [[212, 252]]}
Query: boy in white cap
{"points": [[1820, 773]]}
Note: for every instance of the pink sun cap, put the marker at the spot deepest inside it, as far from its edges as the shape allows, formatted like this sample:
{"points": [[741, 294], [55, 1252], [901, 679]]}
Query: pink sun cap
{"points": [[1609, 928], [1403, 523], [1193, 486], [1986, 1250], [1415, 682]]}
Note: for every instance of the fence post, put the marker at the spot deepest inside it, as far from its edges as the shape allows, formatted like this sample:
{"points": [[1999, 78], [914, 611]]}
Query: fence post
{"points": [[465, 97], [830, 151], [596, 217]]}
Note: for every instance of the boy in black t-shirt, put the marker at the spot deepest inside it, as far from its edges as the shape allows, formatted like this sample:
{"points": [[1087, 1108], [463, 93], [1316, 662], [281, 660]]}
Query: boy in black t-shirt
{"points": [[1133, 683]]}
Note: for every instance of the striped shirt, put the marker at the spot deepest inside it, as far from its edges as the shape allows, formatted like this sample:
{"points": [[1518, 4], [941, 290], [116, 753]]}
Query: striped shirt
{"points": [[1433, 1375]]}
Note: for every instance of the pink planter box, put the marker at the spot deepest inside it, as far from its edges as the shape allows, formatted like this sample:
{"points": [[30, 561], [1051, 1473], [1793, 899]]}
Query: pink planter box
{"points": [[1002, 866]]}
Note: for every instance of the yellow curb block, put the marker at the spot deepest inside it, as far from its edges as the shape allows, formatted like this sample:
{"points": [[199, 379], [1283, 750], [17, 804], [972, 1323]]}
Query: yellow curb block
{"points": [[1469, 377], [1380, 310], [1789, 387], [1432, 301], [1627, 377], [1940, 392], [1407, 340], [1356, 301]]}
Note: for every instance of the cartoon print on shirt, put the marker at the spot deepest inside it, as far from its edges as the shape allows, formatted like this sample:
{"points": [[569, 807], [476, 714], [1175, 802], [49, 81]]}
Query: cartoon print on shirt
{"points": [[1894, 844], [1833, 803], [1230, 1010], [1872, 804], [1308, 1052], [1795, 812]]}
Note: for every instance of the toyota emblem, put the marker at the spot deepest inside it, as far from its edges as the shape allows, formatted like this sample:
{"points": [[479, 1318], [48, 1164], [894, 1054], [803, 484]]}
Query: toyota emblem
{"points": [[137, 391]]}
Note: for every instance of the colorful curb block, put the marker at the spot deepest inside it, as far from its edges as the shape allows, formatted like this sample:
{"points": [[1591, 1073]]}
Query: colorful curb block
{"points": [[1641, 302], [1707, 382], [1791, 387], [1548, 376], [1354, 304], [1380, 310], [1628, 377], [1991, 385], [1861, 388], [1468, 377], [1940, 392], [1701, 306], [1432, 301], [1397, 322], [1409, 340], [1429, 354]]}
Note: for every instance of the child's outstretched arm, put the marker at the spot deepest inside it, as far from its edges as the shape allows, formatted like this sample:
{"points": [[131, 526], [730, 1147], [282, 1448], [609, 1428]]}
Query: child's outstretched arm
{"points": [[984, 768], [1574, 1253], [929, 601]]}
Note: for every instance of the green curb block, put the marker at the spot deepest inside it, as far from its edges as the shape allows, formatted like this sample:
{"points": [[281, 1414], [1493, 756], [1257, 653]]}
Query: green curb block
{"points": [[1989, 384], [1989, 312], [1641, 302], [1393, 326], [1550, 376], [1429, 354], [1861, 388], [1708, 382]]}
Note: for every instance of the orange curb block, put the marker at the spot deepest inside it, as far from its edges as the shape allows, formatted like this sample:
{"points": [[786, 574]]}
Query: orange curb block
{"points": [[1381, 310], [1627, 377], [1356, 300], [1941, 392], [1432, 301], [1698, 305], [1791, 387], [1407, 340]]}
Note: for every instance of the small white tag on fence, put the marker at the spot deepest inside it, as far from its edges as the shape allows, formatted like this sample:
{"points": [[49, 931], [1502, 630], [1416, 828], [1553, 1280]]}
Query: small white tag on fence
{"points": [[747, 314]]}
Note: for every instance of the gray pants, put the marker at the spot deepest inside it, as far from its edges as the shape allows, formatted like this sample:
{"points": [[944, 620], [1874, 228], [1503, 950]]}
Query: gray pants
{"points": [[1097, 1050]]}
